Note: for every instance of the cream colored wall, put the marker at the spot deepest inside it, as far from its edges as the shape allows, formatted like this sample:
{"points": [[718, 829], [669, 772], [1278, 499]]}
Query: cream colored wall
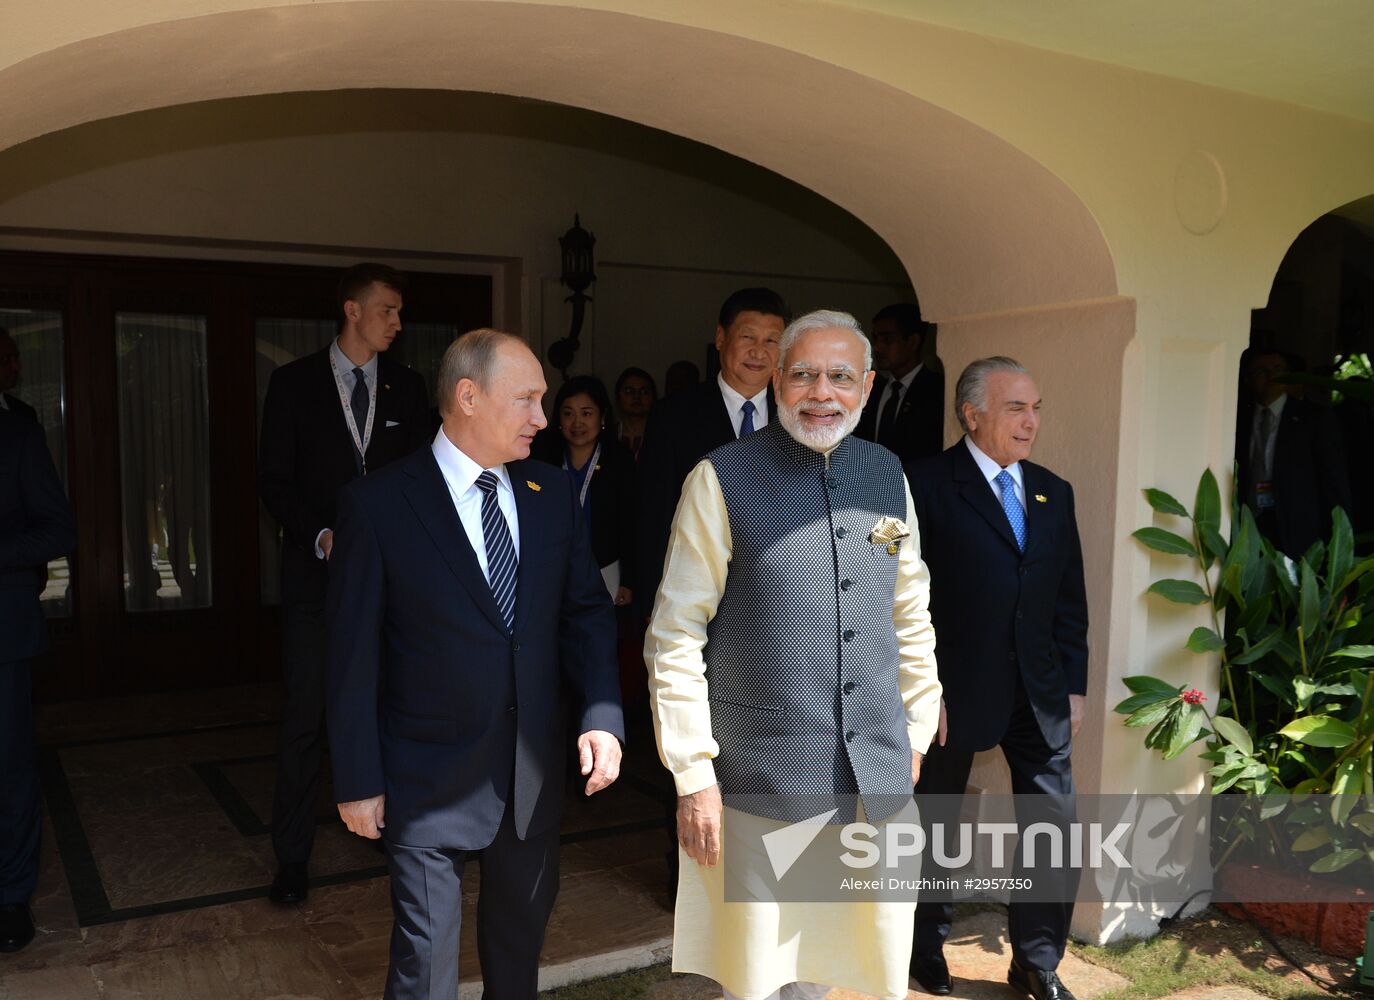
{"points": [[401, 174], [1008, 180]]}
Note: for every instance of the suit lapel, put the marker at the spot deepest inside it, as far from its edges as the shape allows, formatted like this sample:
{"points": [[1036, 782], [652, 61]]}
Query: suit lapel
{"points": [[978, 494], [533, 529], [386, 402], [428, 496], [1037, 511]]}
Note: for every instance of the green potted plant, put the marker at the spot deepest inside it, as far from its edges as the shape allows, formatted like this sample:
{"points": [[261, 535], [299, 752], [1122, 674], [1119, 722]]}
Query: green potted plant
{"points": [[1292, 728]]}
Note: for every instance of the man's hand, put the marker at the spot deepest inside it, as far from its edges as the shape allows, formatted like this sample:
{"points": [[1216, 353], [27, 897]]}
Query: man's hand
{"points": [[944, 725], [327, 543], [599, 753], [1076, 702], [916, 758], [698, 825], [364, 817]]}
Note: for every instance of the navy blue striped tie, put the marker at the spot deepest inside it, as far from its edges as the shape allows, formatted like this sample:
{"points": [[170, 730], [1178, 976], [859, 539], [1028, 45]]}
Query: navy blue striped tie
{"points": [[501, 559]]}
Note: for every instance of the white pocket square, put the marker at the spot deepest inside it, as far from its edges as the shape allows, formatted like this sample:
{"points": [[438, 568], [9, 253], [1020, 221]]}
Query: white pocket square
{"points": [[393, 423]]}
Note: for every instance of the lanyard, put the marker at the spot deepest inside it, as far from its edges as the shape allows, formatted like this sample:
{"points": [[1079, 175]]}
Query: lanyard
{"points": [[591, 468], [360, 441]]}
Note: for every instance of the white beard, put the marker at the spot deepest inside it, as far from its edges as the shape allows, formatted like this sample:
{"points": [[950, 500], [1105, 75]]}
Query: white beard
{"points": [[821, 439]]}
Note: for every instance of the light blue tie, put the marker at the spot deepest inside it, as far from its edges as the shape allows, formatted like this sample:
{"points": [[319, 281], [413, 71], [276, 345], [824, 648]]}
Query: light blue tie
{"points": [[1016, 514], [501, 558], [746, 426]]}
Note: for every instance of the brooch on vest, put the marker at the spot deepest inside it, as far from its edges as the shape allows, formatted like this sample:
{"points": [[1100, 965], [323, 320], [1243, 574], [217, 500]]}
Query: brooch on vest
{"points": [[889, 531]]}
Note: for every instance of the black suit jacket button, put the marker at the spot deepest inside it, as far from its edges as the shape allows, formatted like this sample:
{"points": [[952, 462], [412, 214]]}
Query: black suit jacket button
{"points": [[840, 532], [848, 686], [1012, 656], [831, 482], [510, 709], [846, 584], [849, 736], [848, 634], [516, 647]]}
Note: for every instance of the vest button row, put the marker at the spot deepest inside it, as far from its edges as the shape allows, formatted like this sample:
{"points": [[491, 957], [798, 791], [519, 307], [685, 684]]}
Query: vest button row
{"points": [[848, 687], [846, 584], [840, 532], [848, 635]]}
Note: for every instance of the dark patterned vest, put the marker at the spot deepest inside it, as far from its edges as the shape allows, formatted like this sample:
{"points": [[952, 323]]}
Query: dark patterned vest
{"points": [[801, 656]]}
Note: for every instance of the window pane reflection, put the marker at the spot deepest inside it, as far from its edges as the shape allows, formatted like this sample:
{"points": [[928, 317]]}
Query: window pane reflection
{"points": [[36, 378], [164, 459]]}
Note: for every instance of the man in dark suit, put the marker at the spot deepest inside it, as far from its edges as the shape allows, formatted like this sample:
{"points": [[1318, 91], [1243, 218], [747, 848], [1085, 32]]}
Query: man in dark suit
{"points": [[683, 427], [329, 418], [466, 614], [1010, 610], [1291, 455], [9, 377], [35, 526], [906, 411]]}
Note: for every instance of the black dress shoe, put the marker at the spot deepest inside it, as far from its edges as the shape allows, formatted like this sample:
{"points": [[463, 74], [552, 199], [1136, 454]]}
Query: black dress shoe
{"points": [[291, 885], [1037, 983], [932, 973], [16, 926]]}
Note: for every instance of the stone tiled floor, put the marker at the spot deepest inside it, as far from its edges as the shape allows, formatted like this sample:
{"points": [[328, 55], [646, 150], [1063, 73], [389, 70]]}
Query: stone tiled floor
{"points": [[158, 892]]}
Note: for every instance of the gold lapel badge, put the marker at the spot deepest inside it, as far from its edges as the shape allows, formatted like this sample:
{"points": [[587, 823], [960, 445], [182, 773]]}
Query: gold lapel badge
{"points": [[889, 531], [1040, 498], [533, 485]]}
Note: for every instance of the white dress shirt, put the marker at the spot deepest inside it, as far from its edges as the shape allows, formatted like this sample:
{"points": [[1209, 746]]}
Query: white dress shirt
{"points": [[889, 387], [460, 473], [1276, 407], [346, 367], [991, 469], [734, 402]]}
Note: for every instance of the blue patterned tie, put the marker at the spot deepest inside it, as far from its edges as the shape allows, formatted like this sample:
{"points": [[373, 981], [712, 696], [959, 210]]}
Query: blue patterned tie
{"points": [[501, 559], [746, 426], [359, 402], [1016, 514]]}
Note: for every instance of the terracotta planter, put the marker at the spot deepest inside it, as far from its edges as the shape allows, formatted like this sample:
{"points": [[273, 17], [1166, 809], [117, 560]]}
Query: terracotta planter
{"points": [[1336, 927]]}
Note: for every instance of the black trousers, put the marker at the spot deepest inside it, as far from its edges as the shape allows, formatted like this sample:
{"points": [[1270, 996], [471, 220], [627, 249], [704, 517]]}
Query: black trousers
{"points": [[21, 814], [300, 748], [519, 882], [1038, 930]]}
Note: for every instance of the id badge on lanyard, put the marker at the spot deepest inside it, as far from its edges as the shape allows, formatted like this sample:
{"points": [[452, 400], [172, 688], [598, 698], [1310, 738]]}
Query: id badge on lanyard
{"points": [[363, 439]]}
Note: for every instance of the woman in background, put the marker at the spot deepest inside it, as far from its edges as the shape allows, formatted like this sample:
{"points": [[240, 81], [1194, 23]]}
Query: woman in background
{"points": [[635, 394]]}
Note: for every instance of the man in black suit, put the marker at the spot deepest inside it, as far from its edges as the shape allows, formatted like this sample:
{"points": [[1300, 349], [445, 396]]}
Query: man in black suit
{"points": [[1292, 466], [329, 418], [35, 526], [906, 411], [1010, 610], [9, 377], [466, 615], [683, 427]]}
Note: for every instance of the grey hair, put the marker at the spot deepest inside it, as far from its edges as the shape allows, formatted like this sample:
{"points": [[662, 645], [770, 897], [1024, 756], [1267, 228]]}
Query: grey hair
{"points": [[823, 319], [471, 356], [972, 387]]}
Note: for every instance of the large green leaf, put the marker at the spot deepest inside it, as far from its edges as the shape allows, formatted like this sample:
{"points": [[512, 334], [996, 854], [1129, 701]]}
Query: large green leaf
{"points": [[1320, 731], [1213, 542], [1356, 652], [1164, 503], [1142, 683], [1150, 714], [1364, 822], [1335, 861], [1207, 509], [1281, 689], [1187, 730], [1179, 591], [1234, 733], [1310, 840], [1204, 640], [1304, 688], [1138, 701], [1341, 555], [1165, 541], [1309, 605], [1259, 649]]}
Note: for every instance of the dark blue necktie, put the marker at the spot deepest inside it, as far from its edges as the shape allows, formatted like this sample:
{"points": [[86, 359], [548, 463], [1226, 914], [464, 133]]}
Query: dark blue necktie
{"points": [[501, 559], [1016, 514], [746, 426], [359, 402]]}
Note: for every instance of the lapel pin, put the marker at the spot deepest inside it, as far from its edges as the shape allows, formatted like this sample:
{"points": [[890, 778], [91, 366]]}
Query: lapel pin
{"points": [[533, 485], [1040, 498]]}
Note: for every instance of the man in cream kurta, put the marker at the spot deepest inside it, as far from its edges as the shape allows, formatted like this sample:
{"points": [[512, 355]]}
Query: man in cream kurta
{"points": [[791, 654]]}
